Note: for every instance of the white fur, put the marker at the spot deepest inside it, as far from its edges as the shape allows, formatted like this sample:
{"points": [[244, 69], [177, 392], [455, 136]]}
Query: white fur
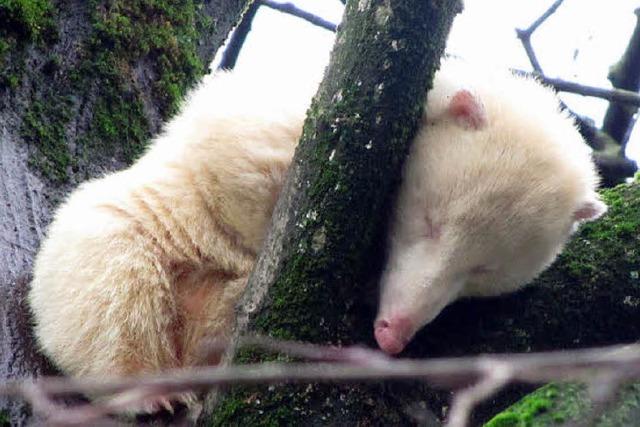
{"points": [[140, 265], [503, 199]]}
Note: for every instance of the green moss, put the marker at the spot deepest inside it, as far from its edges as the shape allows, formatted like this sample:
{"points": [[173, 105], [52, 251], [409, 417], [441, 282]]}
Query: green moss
{"points": [[625, 412], [30, 20], [557, 404], [4, 419], [119, 123], [125, 33], [622, 224], [22, 22], [43, 126], [163, 31], [549, 405]]}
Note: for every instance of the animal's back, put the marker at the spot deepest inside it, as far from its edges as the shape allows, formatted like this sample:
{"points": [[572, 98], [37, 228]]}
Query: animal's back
{"points": [[139, 265]]}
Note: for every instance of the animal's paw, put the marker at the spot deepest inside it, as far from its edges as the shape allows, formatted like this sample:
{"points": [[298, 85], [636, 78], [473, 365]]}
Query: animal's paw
{"points": [[141, 403], [167, 402]]}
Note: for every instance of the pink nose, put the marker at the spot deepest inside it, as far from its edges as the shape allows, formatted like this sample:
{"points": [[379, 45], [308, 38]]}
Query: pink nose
{"points": [[393, 334]]}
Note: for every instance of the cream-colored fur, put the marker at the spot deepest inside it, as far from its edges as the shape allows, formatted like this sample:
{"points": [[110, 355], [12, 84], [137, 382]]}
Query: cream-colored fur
{"points": [[140, 265], [482, 211]]}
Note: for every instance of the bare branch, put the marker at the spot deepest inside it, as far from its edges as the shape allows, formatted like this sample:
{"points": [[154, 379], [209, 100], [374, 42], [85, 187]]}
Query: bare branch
{"points": [[292, 9], [238, 36], [525, 35], [495, 377], [602, 368], [624, 74], [614, 95]]}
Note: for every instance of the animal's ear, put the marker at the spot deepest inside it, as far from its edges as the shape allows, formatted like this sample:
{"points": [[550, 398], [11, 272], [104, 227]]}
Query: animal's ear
{"points": [[590, 209], [467, 110]]}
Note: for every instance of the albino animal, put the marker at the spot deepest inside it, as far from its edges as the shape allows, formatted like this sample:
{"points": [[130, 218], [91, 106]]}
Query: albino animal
{"points": [[140, 265], [496, 181]]}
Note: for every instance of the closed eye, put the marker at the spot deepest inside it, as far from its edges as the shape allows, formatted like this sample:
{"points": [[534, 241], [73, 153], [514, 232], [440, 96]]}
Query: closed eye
{"points": [[481, 269]]}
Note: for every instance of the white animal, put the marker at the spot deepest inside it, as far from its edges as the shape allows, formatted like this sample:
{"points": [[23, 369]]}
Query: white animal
{"points": [[140, 265], [496, 181]]}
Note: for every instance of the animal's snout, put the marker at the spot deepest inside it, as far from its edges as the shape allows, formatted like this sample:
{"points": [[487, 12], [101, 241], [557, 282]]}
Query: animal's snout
{"points": [[393, 333]]}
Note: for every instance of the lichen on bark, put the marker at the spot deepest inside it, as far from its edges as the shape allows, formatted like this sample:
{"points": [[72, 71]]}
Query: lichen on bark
{"points": [[130, 65], [328, 222], [22, 23]]}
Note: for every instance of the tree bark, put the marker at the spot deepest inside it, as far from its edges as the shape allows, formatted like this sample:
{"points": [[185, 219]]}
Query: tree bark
{"points": [[83, 86], [625, 74], [315, 269]]}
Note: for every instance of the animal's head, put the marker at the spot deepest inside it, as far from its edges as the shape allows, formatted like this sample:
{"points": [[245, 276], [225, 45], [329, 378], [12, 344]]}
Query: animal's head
{"points": [[496, 182]]}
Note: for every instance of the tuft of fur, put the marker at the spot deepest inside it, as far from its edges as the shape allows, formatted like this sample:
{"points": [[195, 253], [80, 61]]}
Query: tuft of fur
{"points": [[140, 265]]}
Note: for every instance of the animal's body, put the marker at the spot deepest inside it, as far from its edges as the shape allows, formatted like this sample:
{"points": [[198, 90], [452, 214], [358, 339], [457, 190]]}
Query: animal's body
{"points": [[140, 265]]}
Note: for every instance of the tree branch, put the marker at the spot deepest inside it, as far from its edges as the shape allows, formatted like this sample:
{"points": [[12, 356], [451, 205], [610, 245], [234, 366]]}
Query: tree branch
{"points": [[603, 368], [238, 37], [625, 74], [525, 35], [292, 9], [614, 95]]}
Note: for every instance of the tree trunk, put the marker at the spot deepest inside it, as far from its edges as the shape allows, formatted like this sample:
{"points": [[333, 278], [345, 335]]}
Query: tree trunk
{"points": [[83, 86], [313, 274], [625, 74]]}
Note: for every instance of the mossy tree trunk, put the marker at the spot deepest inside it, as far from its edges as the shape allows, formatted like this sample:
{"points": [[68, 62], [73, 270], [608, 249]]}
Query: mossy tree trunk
{"points": [[83, 85], [311, 279]]}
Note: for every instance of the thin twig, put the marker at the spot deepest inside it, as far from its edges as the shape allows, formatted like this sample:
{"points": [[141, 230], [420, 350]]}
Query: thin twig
{"points": [[495, 377], [324, 353], [613, 95], [292, 9], [238, 37], [489, 373], [525, 35]]}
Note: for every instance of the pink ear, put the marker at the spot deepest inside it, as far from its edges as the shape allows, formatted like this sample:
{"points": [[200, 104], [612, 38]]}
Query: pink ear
{"points": [[467, 110], [590, 210]]}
